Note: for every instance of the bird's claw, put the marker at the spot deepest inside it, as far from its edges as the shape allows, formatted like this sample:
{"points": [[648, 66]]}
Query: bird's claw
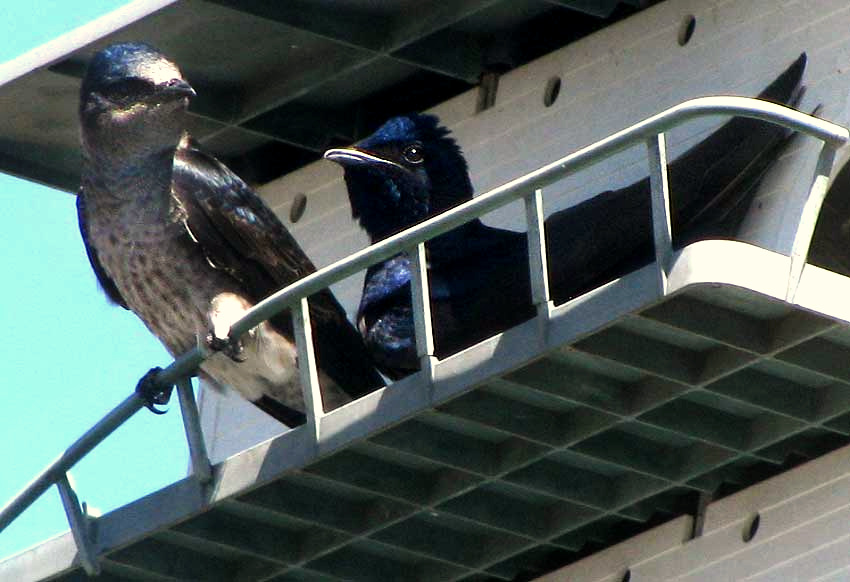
{"points": [[233, 349], [152, 392]]}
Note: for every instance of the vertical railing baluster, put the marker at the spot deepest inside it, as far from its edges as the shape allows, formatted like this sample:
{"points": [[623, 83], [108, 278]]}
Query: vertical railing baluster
{"points": [[198, 456], [809, 219], [307, 365], [79, 526], [537, 254], [422, 310], [662, 233]]}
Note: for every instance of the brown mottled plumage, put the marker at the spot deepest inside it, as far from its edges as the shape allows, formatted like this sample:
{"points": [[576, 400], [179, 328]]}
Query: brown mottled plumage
{"points": [[176, 237]]}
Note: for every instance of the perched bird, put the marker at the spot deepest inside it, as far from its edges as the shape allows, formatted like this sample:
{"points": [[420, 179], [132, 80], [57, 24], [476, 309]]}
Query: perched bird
{"points": [[410, 169], [173, 235]]}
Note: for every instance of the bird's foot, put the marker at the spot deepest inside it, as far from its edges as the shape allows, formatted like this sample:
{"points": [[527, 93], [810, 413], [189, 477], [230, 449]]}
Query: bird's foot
{"points": [[152, 392], [232, 348]]}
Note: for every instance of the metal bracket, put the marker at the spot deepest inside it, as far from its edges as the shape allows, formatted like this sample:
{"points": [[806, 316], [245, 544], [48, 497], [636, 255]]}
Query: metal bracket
{"points": [[703, 502], [201, 467], [538, 259], [307, 366], [487, 90], [661, 224], [79, 522], [422, 323], [809, 218]]}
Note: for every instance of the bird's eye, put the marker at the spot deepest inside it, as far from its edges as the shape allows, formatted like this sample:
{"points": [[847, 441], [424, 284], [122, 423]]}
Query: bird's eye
{"points": [[128, 89], [413, 154]]}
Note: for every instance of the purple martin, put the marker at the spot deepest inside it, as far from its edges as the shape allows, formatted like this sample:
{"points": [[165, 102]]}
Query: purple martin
{"points": [[176, 237], [411, 169]]}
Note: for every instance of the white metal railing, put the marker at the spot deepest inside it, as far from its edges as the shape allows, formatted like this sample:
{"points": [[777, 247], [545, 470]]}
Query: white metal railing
{"points": [[294, 297]]}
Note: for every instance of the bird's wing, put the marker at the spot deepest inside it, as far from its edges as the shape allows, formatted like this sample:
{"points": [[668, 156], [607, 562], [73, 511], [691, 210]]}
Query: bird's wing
{"points": [[479, 284], [463, 262], [710, 184], [106, 283], [233, 225], [242, 236]]}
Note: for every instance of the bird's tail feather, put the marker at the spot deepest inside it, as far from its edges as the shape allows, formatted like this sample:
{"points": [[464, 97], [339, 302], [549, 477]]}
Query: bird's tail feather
{"points": [[711, 185], [728, 164], [340, 351], [279, 411]]}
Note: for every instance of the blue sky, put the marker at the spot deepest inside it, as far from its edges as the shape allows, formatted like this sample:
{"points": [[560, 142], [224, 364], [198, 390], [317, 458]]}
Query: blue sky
{"points": [[68, 357]]}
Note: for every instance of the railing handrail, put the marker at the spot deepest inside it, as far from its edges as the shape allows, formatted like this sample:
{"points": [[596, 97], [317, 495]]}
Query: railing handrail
{"points": [[833, 134], [292, 296]]}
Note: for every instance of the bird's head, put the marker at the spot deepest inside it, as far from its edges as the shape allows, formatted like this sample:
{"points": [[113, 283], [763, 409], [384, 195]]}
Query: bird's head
{"points": [[407, 171], [133, 89]]}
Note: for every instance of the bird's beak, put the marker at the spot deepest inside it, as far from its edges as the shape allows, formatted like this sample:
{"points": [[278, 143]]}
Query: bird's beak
{"points": [[349, 157], [179, 88]]}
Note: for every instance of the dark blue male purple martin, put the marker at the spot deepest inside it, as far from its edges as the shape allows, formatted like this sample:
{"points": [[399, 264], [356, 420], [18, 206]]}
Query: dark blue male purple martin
{"points": [[173, 235], [410, 169]]}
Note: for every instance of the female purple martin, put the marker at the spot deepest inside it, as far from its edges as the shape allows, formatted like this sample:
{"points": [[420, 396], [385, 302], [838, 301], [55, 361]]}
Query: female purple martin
{"points": [[410, 169], [176, 237]]}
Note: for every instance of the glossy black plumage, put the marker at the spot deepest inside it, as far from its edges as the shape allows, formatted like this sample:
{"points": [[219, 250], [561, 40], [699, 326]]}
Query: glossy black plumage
{"points": [[410, 170]]}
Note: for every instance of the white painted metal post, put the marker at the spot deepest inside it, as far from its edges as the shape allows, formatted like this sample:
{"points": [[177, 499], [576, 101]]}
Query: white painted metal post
{"points": [[422, 310], [201, 468], [662, 233], [79, 526], [307, 365], [809, 218], [537, 257]]}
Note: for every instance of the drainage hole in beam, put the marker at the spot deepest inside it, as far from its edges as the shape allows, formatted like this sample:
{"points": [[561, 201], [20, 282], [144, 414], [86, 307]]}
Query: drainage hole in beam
{"points": [[553, 87], [751, 530], [686, 29]]}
